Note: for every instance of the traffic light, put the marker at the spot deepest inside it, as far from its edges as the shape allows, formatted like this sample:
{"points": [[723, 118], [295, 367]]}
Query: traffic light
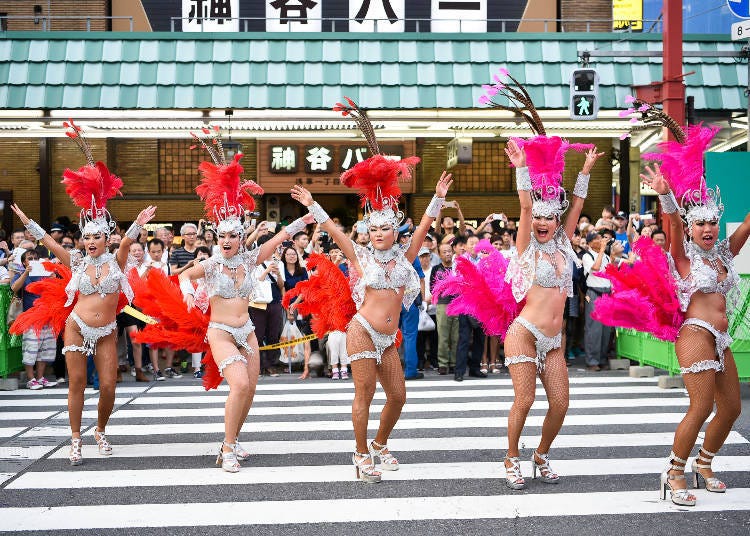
{"points": [[584, 94]]}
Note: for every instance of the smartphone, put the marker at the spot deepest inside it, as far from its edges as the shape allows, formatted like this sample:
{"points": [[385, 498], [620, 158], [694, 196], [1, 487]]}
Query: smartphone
{"points": [[271, 226], [253, 222]]}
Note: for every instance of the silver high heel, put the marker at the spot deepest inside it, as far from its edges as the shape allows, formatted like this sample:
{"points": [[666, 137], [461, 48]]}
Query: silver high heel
{"points": [[513, 477], [228, 460], [75, 456], [240, 452], [680, 497], [365, 468], [387, 460], [546, 474], [105, 449], [712, 484]]}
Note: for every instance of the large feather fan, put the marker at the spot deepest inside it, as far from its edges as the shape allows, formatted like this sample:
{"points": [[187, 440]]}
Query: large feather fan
{"points": [[91, 182], [545, 157], [221, 184], [376, 179], [682, 163], [49, 308]]}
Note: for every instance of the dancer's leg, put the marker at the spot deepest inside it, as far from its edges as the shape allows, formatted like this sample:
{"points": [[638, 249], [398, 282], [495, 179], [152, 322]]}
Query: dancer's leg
{"points": [[391, 377]]}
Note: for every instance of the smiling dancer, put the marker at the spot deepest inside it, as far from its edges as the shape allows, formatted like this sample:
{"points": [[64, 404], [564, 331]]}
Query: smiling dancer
{"points": [[540, 274], [384, 281], [93, 293]]}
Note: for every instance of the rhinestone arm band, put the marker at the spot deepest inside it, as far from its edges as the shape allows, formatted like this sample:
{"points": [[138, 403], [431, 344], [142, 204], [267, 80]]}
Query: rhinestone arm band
{"points": [[581, 189], [295, 227], [35, 229], [134, 231], [318, 213], [433, 209], [523, 179], [186, 287], [668, 203]]}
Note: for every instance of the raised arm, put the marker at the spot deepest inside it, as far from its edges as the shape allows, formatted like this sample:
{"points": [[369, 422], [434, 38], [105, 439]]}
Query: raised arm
{"points": [[36, 230], [740, 236], [517, 157], [657, 182], [580, 190], [461, 220], [303, 196], [267, 249], [432, 212], [134, 233]]}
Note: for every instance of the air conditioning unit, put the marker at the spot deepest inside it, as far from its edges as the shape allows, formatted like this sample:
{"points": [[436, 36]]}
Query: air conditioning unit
{"points": [[273, 208]]}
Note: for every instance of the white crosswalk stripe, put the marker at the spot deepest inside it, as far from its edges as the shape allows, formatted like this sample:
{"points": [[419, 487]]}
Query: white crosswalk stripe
{"points": [[618, 430]]}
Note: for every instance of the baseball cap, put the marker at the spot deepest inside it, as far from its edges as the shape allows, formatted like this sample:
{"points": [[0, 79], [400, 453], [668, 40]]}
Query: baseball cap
{"points": [[429, 237], [404, 233], [423, 251], [621, 215], [56, 227]]}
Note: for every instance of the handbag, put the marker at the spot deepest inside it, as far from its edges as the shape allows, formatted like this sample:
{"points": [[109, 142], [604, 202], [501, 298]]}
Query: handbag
{"points": [[262, 292], [426, 323], [15, 308]]}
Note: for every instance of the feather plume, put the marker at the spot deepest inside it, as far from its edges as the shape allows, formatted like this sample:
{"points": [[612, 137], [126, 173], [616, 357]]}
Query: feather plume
{"points": [[49, 308], [91, 182], [376, 179], [221, 188]]}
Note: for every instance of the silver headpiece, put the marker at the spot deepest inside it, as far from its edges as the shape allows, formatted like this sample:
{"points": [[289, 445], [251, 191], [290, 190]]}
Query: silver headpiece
{"points": [[95, 220], [702, 205], [552, 201], [388, 215]]}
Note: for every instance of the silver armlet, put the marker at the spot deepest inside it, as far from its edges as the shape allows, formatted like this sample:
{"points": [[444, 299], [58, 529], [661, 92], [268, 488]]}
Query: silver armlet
{"points": [[186, 287], [134, 231], [35, 229], [581, 189], [295, 227], [668, 203], [433, 209], [523, 179], [318, 213]]}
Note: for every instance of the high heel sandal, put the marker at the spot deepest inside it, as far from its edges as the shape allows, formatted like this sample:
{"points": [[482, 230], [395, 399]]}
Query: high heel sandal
{"points": [[712, 484], [365, 468], [483, 368], [240, 452], [513, 477], [105, 449], [546, 474], [228, 460], [387, 460], [75, 456], [682, 496]]}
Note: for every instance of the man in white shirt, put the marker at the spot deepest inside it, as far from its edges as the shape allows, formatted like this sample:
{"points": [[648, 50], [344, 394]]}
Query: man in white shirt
{"points": [[596, 334]]}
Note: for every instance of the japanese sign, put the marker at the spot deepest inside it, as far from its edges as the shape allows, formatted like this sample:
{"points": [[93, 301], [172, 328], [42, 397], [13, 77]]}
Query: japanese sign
{"points": [[210, 15], [294, 15], [283, 159], [627, 15], [459, 16], [318, 158], [377, 15]]}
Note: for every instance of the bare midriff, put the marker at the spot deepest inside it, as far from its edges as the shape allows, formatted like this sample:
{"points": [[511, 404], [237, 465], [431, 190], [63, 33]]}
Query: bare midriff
{"points": [[95, 310], [379, 306], [711, 308], [544, 308], [229, 311]]}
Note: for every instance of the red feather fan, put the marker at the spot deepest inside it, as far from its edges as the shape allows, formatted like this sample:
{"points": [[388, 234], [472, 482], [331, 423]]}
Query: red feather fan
{"points": [[91, 182], [48, 309], [221, 184], [377, 178]]}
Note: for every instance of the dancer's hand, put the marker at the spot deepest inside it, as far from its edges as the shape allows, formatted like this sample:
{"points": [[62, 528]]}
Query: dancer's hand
{"points": [[655, 180], [308, 219], [302, 195], [146, 215], [189, 301], [591, 157], [443, 184], [516, 154], [21, 216]]}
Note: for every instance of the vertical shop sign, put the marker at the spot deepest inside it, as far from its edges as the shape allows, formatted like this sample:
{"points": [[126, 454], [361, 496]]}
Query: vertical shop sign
{"points": [[376, 15], [318, 159], [294, 15], [210, 15], [459, 16]]}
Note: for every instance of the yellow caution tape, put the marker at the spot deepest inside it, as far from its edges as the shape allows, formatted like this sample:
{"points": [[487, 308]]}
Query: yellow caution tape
{"points": [[135, 313]]}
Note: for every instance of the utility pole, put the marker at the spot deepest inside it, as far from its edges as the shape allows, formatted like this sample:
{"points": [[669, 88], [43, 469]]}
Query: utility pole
{"points": [[673, 87]]}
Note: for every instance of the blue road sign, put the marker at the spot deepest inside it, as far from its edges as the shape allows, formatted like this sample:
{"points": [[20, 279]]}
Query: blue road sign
{"points": [[740, 8]]}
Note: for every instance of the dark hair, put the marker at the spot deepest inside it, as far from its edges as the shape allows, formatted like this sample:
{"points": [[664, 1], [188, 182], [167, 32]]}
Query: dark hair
{"points": [[660, 231], [610, 209], [202, 249], [18, 230], [210, 231], [139, 244], [298, 234], [576, 232], [156, 242], [297, 266], [458, 239], [26, 254], [263, 239]]}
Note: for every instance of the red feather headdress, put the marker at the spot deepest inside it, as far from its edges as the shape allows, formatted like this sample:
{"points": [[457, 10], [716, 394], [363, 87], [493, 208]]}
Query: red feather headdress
{"points": [[90, 187], [225, 196], [376, 179]]}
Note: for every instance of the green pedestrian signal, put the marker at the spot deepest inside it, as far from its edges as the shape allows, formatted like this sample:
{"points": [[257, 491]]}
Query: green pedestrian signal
{"points": [[584, 94]]}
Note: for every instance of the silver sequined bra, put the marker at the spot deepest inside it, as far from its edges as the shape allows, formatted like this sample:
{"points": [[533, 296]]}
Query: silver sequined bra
{"points": [[220, 284], [80, 281], [703, 278], [374, 275]]}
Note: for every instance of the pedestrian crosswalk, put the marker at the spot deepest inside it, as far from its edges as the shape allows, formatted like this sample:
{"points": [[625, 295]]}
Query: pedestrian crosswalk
{"points": [[450, 441]]}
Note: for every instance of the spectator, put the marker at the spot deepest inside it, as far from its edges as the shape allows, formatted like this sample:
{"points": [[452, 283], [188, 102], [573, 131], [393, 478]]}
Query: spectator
{"points": [[431, 244], [56, 231], [127, 324], [447, 326], [5, 252], [155, 256], [660, 239], [183, 258], [596, 334], [268, 317], [621, 233], [115, 240], [507, 247], [470, 333], [167, 238], [427, 339], [410, 324], [301, 241]]}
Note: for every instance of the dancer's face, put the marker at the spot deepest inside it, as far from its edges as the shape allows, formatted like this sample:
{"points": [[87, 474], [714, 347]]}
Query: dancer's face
{"points": [[382, 237], [229, 243], [704, 233], [95, 244], [544, 227]]}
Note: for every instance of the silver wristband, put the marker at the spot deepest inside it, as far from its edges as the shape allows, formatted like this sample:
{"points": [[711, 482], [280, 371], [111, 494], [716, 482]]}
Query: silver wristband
{"points": [[523, 179], [186, 287], [668, 203], [433, 209], [35, 229], [295, 227], [581, 189], [134, 231], [318, 213]]}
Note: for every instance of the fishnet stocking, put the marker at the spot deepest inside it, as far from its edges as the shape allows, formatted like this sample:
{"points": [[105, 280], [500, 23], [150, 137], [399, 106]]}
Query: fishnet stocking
{"points": [[555, 381], [518, 341], [364, 374]]}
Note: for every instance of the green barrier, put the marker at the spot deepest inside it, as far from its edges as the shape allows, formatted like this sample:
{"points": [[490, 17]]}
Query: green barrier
{"points": [[10, 345], [648, 350]]}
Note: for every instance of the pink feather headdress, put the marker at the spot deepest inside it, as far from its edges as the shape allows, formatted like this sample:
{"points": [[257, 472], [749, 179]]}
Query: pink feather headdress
{"points": [[90, 187], [376, 179], [225, 195]]}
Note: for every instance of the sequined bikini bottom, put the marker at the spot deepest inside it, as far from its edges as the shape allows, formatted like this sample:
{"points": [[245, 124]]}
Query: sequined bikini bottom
{"points": [[544, 344], [722, 340], [90, 334], [381, 341]]}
